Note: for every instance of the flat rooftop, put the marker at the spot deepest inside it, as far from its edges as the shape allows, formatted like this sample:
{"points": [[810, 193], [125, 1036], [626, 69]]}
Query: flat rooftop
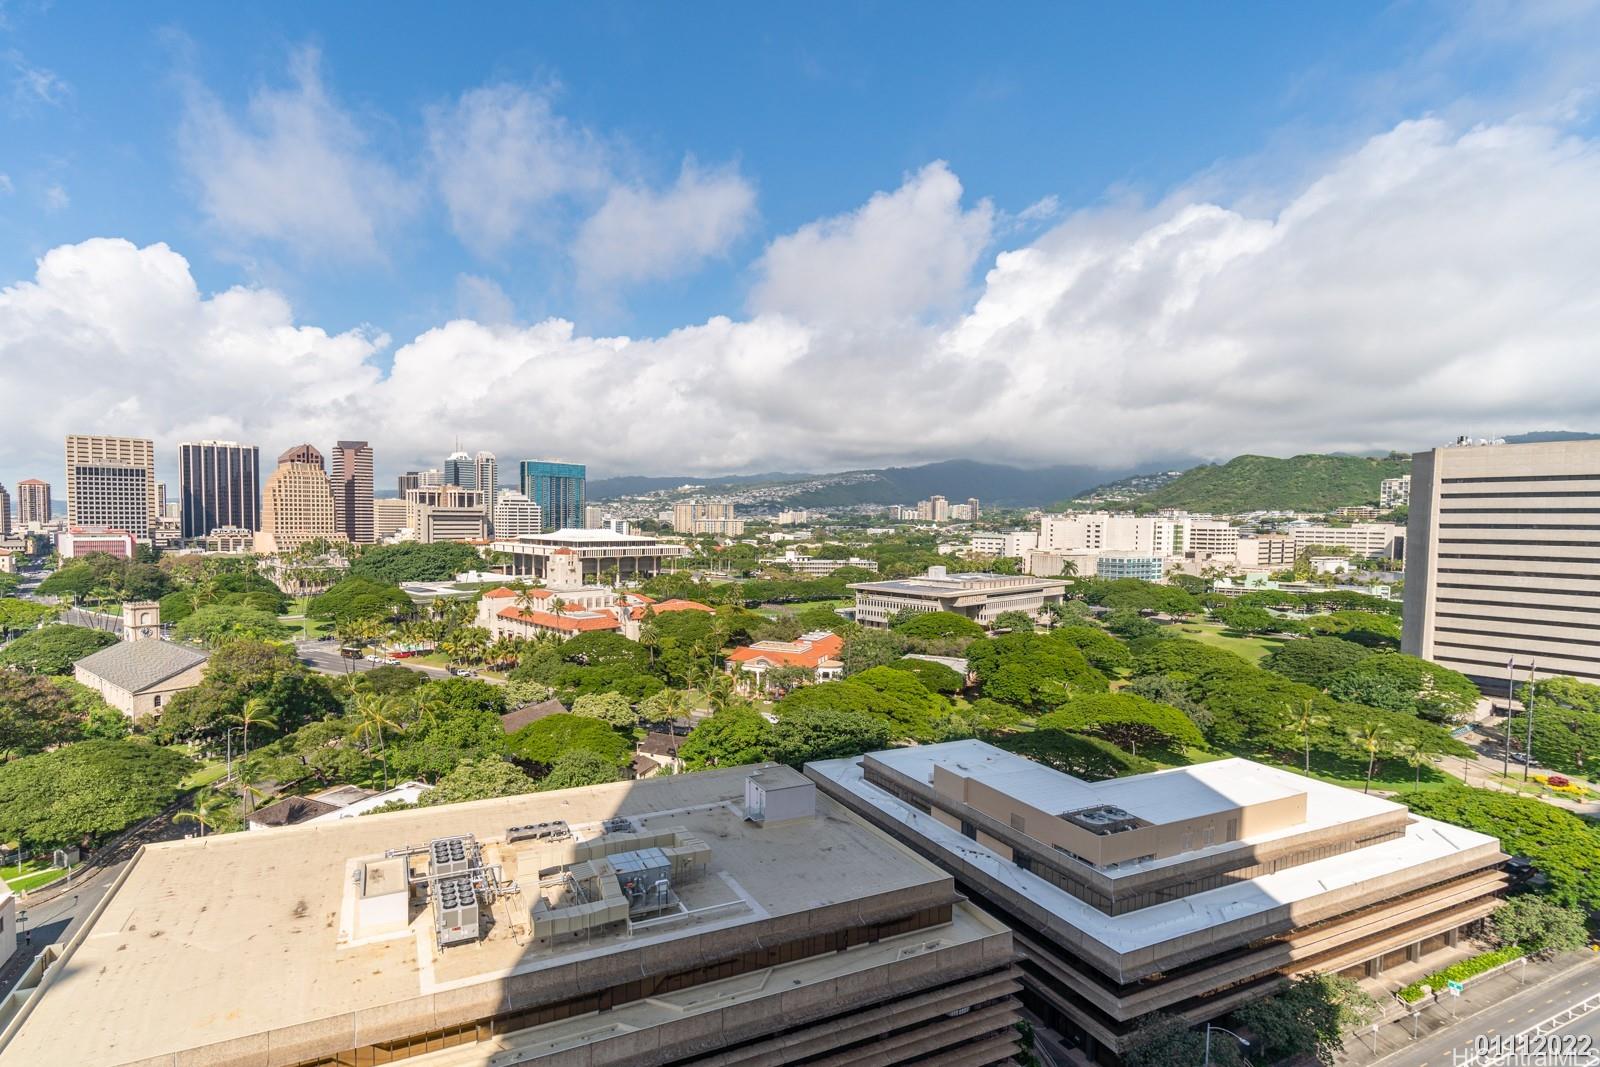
{"points": [[1158, 797], [225, 937], [582, 536], [1425, 842], [965, 582]]}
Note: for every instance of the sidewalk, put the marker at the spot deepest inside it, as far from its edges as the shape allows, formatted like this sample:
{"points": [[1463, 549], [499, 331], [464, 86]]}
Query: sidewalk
{"points": [[1437, 1014]]}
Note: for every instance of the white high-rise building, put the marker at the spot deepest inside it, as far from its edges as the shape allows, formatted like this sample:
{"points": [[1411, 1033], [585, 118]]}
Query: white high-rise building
{"points": [[514, 514], [487, 473], [1394, 492]]}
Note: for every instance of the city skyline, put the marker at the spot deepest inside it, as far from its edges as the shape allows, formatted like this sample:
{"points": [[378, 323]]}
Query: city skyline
{"points": [[1167, 270]]}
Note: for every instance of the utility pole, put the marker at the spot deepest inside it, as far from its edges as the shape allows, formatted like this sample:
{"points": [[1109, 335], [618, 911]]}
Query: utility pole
{"points": [[1533, 666]]}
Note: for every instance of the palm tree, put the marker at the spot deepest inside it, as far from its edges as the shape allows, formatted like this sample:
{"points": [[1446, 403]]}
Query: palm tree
{"points": [[1369, 738], [1303, 721], [721, 692], [526, 601], [1417, 753], [375, 713], [254, 713], [207, 807], [558, 607], [650, 638]]}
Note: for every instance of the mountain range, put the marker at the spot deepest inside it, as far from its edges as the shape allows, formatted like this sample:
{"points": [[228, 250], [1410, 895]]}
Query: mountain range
{"points": [[1309, 482]]}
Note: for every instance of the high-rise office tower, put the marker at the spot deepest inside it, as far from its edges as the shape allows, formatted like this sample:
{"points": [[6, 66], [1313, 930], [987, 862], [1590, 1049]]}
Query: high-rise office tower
{"points": [[5, 512], [459, 469], [558, 490], [219, 484], [111, 481], [486, 471], [297, 503], [1499, 550], [408, 480], [514, 514], [431, 476], [33, 501], [352, 491]]}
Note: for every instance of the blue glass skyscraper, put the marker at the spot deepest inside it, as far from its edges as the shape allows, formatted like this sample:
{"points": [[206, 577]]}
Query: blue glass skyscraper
{"points": [[558, 490]]}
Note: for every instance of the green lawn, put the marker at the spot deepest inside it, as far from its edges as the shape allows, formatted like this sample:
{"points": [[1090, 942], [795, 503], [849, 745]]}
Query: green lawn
{"points": [[1253, 649], [31, 875], [211, 772]]}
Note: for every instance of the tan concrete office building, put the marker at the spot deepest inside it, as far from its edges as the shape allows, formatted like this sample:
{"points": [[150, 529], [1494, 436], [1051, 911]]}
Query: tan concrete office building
{"points": [[111, 481], [33, 502], [1504, 559], [297, 503], [388, 516], [732, 918], [1188, 891], [351, 482]]}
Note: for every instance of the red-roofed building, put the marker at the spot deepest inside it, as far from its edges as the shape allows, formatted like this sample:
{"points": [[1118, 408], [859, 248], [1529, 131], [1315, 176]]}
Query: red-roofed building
{"points": [[508, 612], [817, 652], [519, 623]]}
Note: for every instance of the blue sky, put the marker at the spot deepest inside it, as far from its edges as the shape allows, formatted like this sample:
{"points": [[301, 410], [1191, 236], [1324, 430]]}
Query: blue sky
{"points": [[379, 170]]}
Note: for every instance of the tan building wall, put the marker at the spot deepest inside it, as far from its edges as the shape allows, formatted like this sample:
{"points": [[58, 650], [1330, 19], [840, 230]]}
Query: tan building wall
{"points": [[296, 507], [96, 450], [1502, 546], [146, 702]]}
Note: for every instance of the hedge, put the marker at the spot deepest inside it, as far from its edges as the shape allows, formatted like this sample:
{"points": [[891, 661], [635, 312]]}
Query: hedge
{"points": [[1460, 972]]}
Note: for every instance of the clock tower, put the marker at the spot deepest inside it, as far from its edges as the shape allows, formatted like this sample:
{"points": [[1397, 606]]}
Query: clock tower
{"points": [[141, 619]]}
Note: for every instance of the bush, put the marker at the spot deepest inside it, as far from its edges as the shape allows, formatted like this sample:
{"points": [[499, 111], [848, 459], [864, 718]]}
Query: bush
{"points": [[1460, 972]]}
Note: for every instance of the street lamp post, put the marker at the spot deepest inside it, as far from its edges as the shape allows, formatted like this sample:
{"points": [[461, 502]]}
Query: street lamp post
{"points": [[227, 737], [1230, 1033]]}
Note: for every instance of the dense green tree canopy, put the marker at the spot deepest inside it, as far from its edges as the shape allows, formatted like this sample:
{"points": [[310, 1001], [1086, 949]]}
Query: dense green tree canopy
{"points": [[86, 791], [1564, 847], [1102, 651], [388, 680], [931, 624], [1539, 925], [1031, 670], [805, 734], [360, 597], [101, 577], [579, 767], [1316, 660], [1564, 739], [441, 736], [54, 649], [730, 738], [38, 711], [545, 740], [478, 779], [1369, 628], [1403, 683], [237, 672], [1564, 692], [413, 562], [1131, 594], [1126, 720], [18, 615], [215, 624], [935, 676], [866, 649], [1163, 1040], [1248, 619], [1309, 1018], [1079, 755], [612, 709]]}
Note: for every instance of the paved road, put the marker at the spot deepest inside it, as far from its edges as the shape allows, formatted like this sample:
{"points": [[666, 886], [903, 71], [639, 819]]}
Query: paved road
{"points": [[323, 657], [1500, 1005]]}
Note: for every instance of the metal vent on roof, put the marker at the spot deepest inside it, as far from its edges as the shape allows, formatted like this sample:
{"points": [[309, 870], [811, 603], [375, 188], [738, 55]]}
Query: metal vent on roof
{"points": [[554, 830]]}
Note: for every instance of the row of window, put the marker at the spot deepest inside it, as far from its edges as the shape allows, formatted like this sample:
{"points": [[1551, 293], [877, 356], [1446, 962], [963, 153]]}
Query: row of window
{"points": [[1514, 604], [383, 1052]]}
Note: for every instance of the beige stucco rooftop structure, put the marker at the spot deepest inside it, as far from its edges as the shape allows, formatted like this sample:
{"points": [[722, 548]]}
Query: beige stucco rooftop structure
{"points": [[300, 945], [1187, 890]]}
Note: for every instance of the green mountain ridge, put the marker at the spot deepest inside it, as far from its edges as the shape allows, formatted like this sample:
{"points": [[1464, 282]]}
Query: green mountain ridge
{"points": [[1265, 483]]}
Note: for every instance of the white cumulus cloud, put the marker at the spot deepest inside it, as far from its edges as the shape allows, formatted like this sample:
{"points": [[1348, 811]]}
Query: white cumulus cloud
{"points": [[640, 234], [1434, 280], [900, 255], [295, 169]]}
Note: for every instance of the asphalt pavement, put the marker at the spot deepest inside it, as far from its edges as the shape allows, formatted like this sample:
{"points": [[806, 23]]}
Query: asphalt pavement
{"points": [[324, 657], [1500, 1006]]}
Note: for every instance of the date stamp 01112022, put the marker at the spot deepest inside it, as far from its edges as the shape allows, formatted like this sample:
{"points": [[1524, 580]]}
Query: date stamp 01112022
{"points": [[1530, 1050]]}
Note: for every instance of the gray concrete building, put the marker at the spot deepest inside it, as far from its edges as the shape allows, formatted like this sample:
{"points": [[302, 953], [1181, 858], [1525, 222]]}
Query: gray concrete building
{"points": [[1188, 891], [1503, 559], [732, 918]]}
